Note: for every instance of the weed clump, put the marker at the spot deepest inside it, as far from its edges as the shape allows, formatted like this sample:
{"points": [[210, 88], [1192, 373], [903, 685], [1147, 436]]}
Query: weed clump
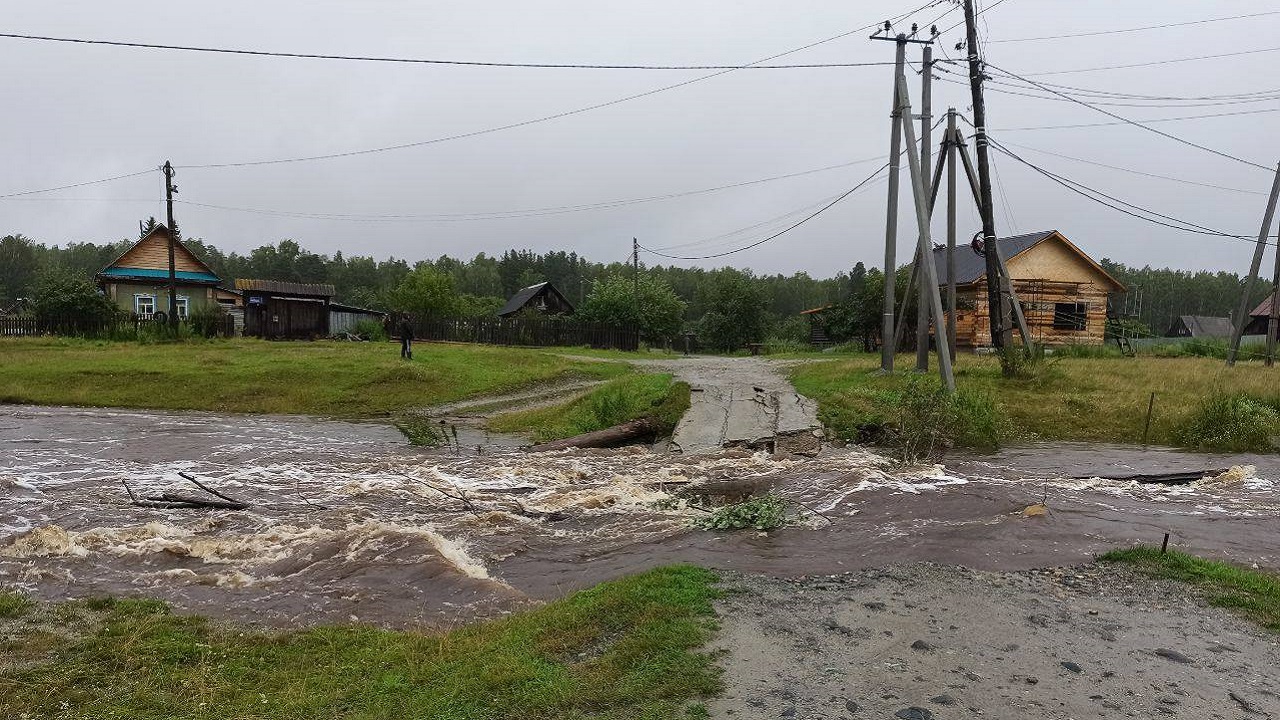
{"points": [[1231, 423], [766, 512], [927, 420], [13, 605]]}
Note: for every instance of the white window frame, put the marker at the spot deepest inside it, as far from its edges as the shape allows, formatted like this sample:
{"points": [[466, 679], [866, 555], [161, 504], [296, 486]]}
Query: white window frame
{"points": [[184, 307], [137, 303]]}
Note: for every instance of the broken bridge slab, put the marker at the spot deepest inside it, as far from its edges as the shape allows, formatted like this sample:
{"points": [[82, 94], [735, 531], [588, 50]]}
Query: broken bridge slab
{"points": [[745, 415]]}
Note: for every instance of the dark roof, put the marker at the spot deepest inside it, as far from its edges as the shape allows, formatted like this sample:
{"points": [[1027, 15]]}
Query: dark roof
{"points": [[970, 266], [1206, 327], [285, 288], [339, 307], [1263, 310], [522, 298]]}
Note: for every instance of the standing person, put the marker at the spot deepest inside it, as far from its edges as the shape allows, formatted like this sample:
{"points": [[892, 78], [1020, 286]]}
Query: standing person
{"points": [[406, 336]]}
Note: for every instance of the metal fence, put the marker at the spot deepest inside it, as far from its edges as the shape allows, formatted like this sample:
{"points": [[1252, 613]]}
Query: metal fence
{"points": [[532, 332]]}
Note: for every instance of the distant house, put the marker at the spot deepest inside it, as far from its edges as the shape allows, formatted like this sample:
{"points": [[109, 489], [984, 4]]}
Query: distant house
{"points": [[817, 318], [1200, 326], [1063, 291], [278, 310], [1259, 318], [543, 298], [138, 280]]}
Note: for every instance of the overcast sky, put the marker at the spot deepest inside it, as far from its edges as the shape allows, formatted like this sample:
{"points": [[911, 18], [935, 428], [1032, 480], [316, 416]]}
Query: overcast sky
{"points": [[75, 113]]}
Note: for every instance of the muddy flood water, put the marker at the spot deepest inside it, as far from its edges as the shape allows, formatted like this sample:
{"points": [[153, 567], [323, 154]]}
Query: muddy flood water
{"points": [[349, 523]]}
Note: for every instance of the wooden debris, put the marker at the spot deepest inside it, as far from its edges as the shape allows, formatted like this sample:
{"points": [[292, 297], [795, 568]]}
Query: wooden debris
{"points": [[607, 438], [1185, 477], [173, 501]]}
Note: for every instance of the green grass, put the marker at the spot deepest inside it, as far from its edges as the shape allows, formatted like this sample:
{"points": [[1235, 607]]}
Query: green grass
{"points": [[1231, 423], [1075, 399], [618, 401], [338, 379], [624, 649], [13, 605], [1252, 593]]}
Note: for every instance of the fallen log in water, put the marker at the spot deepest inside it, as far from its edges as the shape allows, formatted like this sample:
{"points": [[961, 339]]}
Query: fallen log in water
{"points": [[1185, 477], [609, 437], [171, 500]]}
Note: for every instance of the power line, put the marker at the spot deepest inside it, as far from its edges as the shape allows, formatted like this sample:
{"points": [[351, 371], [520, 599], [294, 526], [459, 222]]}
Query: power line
{"points": [[981, 12], [1136, 29], [79, 184], [1156, 62], [545, 118], [1148, 121], [424, 61], [520, 213], [776, 235], [1136, 172], [1135, 123]]}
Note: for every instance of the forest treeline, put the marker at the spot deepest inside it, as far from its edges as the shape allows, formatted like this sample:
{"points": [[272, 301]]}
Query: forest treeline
{"points": [[755, 306]]}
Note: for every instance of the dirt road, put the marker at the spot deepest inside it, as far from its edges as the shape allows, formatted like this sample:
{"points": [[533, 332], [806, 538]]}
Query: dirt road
{"points": [[925, 641]]}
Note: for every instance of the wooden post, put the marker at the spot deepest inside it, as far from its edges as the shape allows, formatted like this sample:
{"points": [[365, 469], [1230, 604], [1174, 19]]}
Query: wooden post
{"points": [[950, 161], [915, 264], [169, 189], [1242, 317], [925, 254], [929, 274], [887, 347]]}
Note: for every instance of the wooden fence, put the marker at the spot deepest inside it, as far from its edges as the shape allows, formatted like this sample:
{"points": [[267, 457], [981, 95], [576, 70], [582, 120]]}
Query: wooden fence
{"points": [[120, 327], [533, 332]]}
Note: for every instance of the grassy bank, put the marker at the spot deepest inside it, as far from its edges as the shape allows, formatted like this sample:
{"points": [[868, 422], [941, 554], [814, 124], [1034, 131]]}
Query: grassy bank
{"points": [[1080, 399], [624, 649], [244, 375], [1252, 593], [621, 400]]}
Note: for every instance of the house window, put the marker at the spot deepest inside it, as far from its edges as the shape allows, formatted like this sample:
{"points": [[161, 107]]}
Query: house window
{"points": [[1070, 316], [183, 303], [144, 305]]}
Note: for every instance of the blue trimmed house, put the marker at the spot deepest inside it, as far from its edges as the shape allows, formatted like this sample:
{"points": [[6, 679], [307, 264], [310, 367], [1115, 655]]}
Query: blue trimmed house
{"points": [[138, 280]]}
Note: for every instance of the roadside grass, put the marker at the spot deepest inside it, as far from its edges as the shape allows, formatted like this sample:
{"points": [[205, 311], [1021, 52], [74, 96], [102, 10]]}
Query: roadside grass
{"points": [[1063, 398], [1252, 593], [623, 649], [621, 400], [337, 379], [13, 605]]}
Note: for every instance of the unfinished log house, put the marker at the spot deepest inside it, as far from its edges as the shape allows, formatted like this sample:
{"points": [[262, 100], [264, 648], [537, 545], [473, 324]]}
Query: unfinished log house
{"points": [[1063, 291]]}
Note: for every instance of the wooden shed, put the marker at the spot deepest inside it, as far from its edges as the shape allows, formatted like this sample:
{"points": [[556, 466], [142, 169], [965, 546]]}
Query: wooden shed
{"points": [[542, 298], [1063, 291], [278, 310]]}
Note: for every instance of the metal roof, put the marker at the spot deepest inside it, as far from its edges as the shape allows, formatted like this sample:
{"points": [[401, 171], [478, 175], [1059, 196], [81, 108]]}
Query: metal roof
{"points": [[285, 288], [1207, 327], [521, 298], [153, 274], [971, 266]]}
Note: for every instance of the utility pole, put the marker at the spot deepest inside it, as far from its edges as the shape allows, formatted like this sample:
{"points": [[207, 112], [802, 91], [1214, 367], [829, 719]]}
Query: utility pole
{"points": [[887, 345], [169, 190], [926, 168], [950, 161], [635, 275], [997, 305], [1242, 317]]}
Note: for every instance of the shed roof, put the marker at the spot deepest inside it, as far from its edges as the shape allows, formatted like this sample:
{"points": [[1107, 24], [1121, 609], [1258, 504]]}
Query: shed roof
{"points": [[285, 288], [1263, 310], [970, 266], [522, 298], [339, 307], [1208, 327]]}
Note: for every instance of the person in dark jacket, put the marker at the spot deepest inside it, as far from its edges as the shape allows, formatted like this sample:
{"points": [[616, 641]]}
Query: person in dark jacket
{"points": [[406, 336]]}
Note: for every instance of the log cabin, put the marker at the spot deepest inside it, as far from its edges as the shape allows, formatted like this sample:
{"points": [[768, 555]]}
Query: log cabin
{"points": [[138, 280], [542, 298], [1063, 291]]}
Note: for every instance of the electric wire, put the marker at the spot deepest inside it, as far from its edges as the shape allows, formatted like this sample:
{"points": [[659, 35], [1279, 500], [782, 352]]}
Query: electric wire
{"points": [[1148, 121], [1136, 29], [77, 185], [534, 121], [425, 61], [1156, 62], [1137, 124], [776, 235]]}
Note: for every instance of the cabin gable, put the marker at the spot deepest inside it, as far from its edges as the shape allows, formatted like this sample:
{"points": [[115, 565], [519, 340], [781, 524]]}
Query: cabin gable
{"points": [[149, 258], [1057, 260]]}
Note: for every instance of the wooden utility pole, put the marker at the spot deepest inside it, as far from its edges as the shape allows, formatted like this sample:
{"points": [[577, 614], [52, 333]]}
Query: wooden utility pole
{"points": [[1242, 316], [950, 161], [926, 168], [635, 275], [169, 190], [929, 273], [998, 307], [887, 345]]}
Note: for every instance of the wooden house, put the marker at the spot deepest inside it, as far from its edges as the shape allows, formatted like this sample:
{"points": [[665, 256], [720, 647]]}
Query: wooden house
{"points": [[1063, 291], [138, 280], [1259, 318], [1200, 326], [285, 310], [542, 298]]}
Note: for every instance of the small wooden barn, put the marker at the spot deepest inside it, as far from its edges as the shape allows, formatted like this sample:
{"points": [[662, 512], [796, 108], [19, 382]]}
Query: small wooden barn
{"points": [[1063, 291], [1259, 318], [817, 318], [138, 280], [344, 318], [542, 298], [278, 310], [1200, 326]]}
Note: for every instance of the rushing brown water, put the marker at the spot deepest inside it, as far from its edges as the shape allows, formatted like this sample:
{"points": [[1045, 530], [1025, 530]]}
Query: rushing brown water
{"points": [[350, 523]]}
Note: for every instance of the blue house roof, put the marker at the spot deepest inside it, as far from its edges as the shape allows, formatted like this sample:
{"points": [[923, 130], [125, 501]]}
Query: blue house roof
{"points": [[152, 274]]}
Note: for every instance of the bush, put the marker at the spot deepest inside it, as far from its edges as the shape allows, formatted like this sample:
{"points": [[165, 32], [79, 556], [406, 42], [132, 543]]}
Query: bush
{"points": [[766, 512], [1231, 423], [927, 420], [1086, 351], [371, 330], [206, 321]]}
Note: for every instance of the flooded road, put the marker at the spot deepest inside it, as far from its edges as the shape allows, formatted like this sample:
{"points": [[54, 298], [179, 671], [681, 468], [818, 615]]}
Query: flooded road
{"points": [[348, 522]]}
